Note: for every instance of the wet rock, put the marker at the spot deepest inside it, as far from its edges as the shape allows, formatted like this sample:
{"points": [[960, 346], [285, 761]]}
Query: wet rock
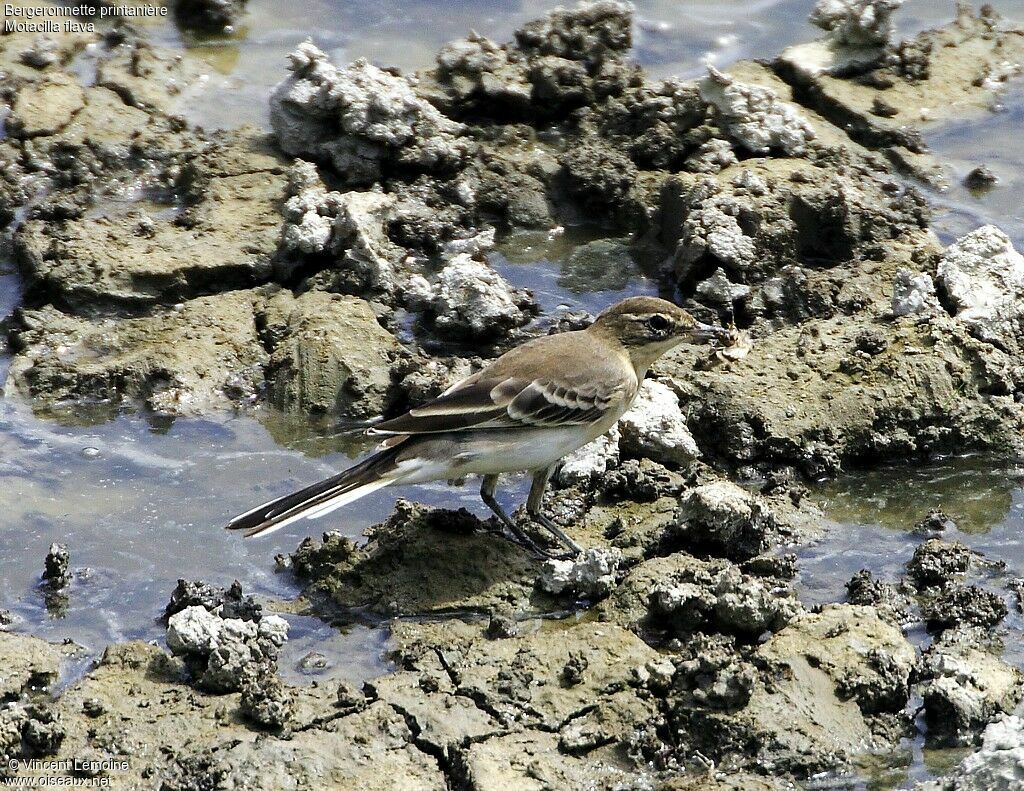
{"points": [[476, 75], [210, 15], [868, 658], [590, 31], [43, 52], [948, 72], [680, 594], [42, 731], [147, 77], [725, 600], [755, 117], [658, 124], [963, 605], [430, 213], [329, 355], [964, 687], [223, 238], [913, 293], [313, 663], [266, 702], [936, 562], [406, 567], [179, 361], [30, 665], [584, 465], [360, 120], [996, 766], [349, 697], [195, 630], [856, 23], [599, 176], [891, 601], [444, 722], [227, 603], [557, 63], [592, 575], [807, 714], [639, 481], [980, 178], [982, 275], [58, 566], [712, 230], [723, 518], [588, 711], [502, 623], [468, 299], [711, 157], [655, 428], [891, 405]]}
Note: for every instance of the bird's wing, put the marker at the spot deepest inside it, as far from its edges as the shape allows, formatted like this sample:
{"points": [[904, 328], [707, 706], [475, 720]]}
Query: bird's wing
{"points": [[514, 402]]}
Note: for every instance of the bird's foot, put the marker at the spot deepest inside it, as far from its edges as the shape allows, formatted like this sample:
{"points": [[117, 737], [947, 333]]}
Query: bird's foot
{"points": [[573, 549], [514, 534]]}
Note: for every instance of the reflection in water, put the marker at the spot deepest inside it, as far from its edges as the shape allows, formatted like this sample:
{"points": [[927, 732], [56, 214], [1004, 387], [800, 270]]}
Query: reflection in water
{"points": [[601, 265], [575, 268], [976, 491], [959, 209], [871, 526]]}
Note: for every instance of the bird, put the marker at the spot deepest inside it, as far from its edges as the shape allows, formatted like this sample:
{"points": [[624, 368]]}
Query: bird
{"points": [[524, 411]]}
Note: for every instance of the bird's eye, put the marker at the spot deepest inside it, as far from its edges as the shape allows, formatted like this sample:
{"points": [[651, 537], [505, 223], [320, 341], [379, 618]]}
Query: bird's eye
{"points": [[658, 324]]}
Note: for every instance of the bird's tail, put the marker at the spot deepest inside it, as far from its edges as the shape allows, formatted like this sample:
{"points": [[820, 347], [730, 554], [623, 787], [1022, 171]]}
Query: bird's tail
{"points": [[321, 498]]}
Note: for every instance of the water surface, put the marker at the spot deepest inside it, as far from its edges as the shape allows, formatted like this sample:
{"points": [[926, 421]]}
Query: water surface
{"points": [[140, 499]]}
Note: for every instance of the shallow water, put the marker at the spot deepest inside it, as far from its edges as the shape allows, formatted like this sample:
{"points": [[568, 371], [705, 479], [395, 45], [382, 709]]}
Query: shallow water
{"points": [[872, 515], [140, 500]]}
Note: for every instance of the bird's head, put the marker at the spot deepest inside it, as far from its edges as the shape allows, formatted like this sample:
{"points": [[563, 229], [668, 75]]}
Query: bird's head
{"points": [[647, 327]]}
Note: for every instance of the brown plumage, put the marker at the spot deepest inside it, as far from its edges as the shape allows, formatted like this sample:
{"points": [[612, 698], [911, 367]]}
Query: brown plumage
{"points": [[524, 411]]}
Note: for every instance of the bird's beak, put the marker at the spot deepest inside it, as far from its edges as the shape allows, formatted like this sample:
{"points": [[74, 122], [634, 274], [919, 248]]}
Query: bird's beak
{"points": [[709, 332]]}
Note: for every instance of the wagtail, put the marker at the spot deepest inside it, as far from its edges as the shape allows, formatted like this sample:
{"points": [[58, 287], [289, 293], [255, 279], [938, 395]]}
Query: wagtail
{"points": [[525, 411]]}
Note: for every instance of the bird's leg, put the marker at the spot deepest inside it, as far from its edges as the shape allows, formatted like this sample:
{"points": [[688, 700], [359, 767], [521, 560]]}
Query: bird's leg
{"points": [[487, 488], [535, 502]]}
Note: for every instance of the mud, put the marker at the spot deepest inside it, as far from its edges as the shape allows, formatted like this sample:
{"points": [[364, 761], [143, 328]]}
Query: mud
{"points": [[340, 266]]}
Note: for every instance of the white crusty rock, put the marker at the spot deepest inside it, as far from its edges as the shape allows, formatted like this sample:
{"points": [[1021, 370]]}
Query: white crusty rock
{"points": [[477, 244], [586, 463], [274, 629], [713, 228], [591, 575], [469, 299], [720, 290], [965, 687], [358, 118], [983, 276], [349, 225], [856, 23], [194, 630], [712, 157], [913, 293], [655, 427], [755, 117], [997, 766]]}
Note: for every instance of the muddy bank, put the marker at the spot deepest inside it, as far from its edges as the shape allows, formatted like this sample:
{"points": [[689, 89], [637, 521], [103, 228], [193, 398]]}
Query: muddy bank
{"points": [[756, 199], [340, 266], [643, 664]]}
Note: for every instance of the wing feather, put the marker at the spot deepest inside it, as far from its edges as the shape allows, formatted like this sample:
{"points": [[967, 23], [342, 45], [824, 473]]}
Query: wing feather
{"points": [[519, 390], [512, 403]]}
